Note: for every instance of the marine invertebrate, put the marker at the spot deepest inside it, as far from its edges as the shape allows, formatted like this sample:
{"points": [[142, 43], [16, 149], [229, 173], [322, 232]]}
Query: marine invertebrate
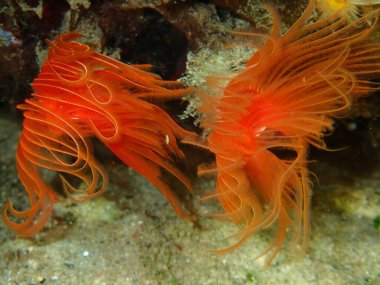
{"points": [[81, 94], [261, 122], [348, 9]]}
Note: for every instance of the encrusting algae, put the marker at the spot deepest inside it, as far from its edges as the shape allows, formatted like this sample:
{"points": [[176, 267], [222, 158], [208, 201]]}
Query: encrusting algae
{"points": [[81, 94], [261, 123]]}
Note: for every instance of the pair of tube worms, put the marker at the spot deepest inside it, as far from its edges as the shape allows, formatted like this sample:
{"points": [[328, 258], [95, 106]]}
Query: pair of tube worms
{"points": [[260, 124]]}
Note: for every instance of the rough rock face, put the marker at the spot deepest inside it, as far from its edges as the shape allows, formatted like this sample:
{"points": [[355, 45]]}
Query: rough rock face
{"points": [[158, 32]]}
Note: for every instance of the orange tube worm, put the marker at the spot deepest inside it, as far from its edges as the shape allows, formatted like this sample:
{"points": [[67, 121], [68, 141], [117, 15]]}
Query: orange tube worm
{"points": [[81, 94], [261, 123]]}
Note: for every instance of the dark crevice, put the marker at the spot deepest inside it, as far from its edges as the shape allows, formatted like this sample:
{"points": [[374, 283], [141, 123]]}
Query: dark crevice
{"points": [[144, 36]]}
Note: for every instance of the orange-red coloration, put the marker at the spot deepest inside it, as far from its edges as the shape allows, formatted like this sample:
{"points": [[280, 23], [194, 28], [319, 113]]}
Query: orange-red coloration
{"points": [[263, 121], [81, 94]]}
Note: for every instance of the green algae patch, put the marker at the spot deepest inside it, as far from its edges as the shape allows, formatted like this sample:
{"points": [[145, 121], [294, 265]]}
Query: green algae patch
{"points": [[376, 223], [250, 277]]}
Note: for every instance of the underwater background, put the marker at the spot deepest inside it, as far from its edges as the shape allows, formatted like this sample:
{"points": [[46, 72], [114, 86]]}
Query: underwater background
{"points": [[130, 234]]}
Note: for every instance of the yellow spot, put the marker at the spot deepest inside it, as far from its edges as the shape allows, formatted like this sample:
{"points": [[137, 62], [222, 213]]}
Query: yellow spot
{"points": [[337, 4]]}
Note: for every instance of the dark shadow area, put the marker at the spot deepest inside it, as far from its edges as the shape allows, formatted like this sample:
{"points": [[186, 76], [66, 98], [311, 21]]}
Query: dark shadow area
{"points": [[355, 152], [144, 36]]}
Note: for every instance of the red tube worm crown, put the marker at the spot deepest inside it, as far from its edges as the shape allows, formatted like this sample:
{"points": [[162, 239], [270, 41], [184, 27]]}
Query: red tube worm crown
{"points": [[263, 121], [81, 94]]}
